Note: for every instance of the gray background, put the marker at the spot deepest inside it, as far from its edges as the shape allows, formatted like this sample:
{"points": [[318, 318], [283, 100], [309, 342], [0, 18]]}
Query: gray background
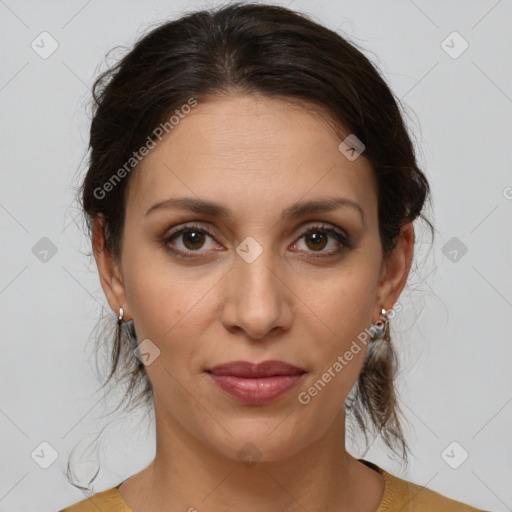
{"points": [[453, 333]]}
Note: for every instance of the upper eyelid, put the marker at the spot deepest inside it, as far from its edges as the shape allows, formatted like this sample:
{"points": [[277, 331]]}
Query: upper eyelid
{"points": [[303, 229]]}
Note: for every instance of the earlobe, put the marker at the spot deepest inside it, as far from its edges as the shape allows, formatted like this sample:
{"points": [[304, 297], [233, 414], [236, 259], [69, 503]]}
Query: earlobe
{"points": [[108, 270], [395, 269]]}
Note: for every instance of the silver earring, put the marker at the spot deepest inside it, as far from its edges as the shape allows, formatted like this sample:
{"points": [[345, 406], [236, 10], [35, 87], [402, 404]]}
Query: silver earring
{"points": [[118, 329], [383, 329], [386, 336]]}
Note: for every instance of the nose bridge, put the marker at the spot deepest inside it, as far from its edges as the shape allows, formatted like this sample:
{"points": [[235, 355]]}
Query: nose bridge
{"points": [[253, 270], [254, 265], [258, 298]]}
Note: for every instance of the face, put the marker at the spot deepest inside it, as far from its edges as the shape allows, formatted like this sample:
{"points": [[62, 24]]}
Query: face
{"points": [[261, 282]]}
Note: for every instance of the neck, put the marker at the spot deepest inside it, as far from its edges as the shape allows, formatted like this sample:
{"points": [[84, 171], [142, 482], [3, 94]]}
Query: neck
{"points": [[192, 475]]}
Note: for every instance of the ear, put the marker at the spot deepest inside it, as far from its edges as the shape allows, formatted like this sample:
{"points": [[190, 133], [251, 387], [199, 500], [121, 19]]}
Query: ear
{"points": [[395, 269], [108, 269]]}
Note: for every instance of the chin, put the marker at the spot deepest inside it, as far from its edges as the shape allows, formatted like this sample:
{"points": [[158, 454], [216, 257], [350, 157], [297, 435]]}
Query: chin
{"points": [[263, 441]]}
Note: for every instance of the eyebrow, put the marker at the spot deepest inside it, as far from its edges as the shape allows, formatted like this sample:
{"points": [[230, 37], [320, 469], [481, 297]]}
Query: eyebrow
{"points": [[205, 207]]}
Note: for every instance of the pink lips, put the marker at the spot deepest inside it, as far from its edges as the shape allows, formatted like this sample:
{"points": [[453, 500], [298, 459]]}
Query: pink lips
{"points": [[256, 383]]}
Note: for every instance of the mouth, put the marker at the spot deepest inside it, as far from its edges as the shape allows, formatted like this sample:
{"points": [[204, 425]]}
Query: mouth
{"points": [[248, 370], [256, 383]]}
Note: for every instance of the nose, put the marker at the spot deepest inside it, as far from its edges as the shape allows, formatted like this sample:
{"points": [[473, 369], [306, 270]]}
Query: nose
{"points": [[258, 298]]}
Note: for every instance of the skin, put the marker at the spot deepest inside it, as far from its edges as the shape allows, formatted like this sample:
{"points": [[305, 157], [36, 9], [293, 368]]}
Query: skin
{"points": [[256, 156]]}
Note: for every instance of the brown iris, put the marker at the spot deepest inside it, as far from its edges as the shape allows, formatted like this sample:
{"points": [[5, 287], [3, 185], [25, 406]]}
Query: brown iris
{"points": [[319, 240], [196, 238]]}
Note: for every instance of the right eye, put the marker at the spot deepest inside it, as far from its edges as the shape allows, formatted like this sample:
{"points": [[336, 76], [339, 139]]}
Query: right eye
{"points": [[192, 238]]}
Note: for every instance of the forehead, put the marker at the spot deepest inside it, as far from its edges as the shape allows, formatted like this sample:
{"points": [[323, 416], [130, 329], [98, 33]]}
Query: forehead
{"points": [[233, 148]]}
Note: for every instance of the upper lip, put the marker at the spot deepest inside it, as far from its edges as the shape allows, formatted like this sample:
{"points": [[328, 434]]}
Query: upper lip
{"points": [[264, 369]]}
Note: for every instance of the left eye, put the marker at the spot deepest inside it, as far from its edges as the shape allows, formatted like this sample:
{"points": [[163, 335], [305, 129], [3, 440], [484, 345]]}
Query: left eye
{"points": [[316, 239]]}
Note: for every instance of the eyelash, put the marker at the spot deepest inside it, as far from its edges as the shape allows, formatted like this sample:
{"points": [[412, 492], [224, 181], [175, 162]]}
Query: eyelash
{"points": [[339, 237]]}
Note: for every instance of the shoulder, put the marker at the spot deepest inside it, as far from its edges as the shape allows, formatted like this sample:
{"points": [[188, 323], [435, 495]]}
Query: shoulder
{"points": [[106, 500], [406, 496]]}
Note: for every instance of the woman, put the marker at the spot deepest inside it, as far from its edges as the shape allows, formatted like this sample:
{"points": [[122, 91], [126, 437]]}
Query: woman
{"points": [[250, 195]]}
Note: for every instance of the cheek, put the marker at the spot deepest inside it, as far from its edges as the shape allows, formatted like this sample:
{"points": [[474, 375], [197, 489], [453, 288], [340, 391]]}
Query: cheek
{"points": [[162, 311], [171, 306], [340, 356], [348, 316], [348, 310], [153, 291]]}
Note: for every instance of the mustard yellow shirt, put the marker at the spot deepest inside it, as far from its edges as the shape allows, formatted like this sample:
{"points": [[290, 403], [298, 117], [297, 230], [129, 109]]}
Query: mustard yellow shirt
{"points": [[399, 496]]}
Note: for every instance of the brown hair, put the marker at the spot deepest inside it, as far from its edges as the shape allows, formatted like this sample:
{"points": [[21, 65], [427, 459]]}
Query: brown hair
{"points": [[273, 51]]}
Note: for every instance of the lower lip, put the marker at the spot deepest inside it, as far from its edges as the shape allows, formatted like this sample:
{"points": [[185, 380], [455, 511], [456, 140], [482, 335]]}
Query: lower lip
{"points": [[256, 390]]}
